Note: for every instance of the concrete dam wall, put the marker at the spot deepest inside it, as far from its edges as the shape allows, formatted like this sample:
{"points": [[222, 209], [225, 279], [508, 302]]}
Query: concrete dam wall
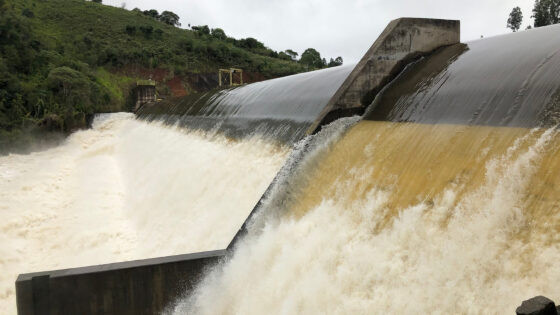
{"points": [[403, 41], [418, 73], [444, 194]]}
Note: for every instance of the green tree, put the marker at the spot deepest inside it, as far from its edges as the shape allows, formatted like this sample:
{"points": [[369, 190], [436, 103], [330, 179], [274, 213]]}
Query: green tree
{"points": [[152, 13], [147, 30], [158, 33], [219, 33], [75, 92], [292, 54], [515, 19], [130, 29], [336, 62], [284, 56], [97, 1], [546, 12], [202, 29], [67, 82], [170, 18], [311, 58], [250, 43], [28, 13]]}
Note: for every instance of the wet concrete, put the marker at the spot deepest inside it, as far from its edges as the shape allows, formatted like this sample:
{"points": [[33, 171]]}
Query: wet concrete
{"points": [[134, 287], [403, 41], [280, 109], [509, 80]]}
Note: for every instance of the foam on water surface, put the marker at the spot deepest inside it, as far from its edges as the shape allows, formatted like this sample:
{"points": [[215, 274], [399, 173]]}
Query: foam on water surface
{"points": [[405, 218], [124, 190]]}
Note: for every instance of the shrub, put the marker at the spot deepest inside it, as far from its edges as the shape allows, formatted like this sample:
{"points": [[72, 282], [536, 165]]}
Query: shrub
{"points": [[147, 30], [130, 29], [219, 33], [201, 29], [158, 33], [151, 13], [27, 13], [170, 18]]}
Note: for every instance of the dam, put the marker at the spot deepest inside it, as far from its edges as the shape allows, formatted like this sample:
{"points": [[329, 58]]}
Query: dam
{"points": [[422, 179]]}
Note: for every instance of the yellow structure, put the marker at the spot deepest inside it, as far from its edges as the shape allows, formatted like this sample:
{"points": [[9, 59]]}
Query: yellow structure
{"points": [[230, 72]]}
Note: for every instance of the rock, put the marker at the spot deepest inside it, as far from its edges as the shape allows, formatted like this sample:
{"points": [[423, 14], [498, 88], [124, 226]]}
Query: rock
{"points": [[539, 305]]}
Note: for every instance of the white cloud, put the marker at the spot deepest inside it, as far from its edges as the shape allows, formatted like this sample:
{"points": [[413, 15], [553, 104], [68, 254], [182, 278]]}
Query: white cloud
{"points": [[334, 27]]}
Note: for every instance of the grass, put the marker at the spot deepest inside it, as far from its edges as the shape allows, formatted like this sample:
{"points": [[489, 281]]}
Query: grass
{"points": [[96, 34]]}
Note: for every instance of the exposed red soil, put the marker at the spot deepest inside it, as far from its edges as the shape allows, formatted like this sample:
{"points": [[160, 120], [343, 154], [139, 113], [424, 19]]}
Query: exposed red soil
{"points": [[183, 85], [176, 86]]}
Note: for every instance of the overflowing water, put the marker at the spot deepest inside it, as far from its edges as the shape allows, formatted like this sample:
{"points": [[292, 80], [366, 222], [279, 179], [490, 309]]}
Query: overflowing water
{"points": [[445, 199], [124, 190], [284, 107], [404, 218], [508, 80]]}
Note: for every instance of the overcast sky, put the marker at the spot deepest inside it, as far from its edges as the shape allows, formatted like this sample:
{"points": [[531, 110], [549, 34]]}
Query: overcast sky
{"points": [[334, 27]]}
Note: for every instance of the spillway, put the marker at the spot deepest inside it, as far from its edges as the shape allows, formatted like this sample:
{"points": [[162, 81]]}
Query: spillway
{"points": [[405, 218], [503, 81], [180, 177], [283, 107], [126, 190], [443, 199]]}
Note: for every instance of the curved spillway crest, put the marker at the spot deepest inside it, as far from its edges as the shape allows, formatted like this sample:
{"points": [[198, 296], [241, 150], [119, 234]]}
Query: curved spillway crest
{"points": [[455, 211], [281, 108], [509, 80]]}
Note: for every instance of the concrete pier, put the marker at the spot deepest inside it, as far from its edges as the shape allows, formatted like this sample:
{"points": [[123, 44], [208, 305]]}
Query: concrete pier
{"points": [[136, 287], [402, 41], [145, 92]]}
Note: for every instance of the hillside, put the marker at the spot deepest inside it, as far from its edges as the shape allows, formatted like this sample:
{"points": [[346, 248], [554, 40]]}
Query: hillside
{"points": [[63, 60]]}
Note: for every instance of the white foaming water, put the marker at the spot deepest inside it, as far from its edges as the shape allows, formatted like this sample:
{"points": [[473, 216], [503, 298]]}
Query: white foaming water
{"points": [[472, 249], [124, 190]]}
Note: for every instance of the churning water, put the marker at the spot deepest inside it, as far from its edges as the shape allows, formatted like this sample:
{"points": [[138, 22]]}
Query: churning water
{"points": [[444, 200], [400, 218], [123, 190]]}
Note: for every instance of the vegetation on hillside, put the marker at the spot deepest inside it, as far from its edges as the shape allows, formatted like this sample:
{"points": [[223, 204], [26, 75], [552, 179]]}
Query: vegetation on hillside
{"points": [[310, 58], [61, 60]]}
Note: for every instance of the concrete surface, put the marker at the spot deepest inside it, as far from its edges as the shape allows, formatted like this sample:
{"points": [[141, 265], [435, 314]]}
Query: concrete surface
{"points": [[402, 41], [135, 287]]}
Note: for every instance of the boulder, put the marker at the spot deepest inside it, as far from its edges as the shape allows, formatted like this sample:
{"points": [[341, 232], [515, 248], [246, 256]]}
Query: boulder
{"points": [[538, 305]]}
